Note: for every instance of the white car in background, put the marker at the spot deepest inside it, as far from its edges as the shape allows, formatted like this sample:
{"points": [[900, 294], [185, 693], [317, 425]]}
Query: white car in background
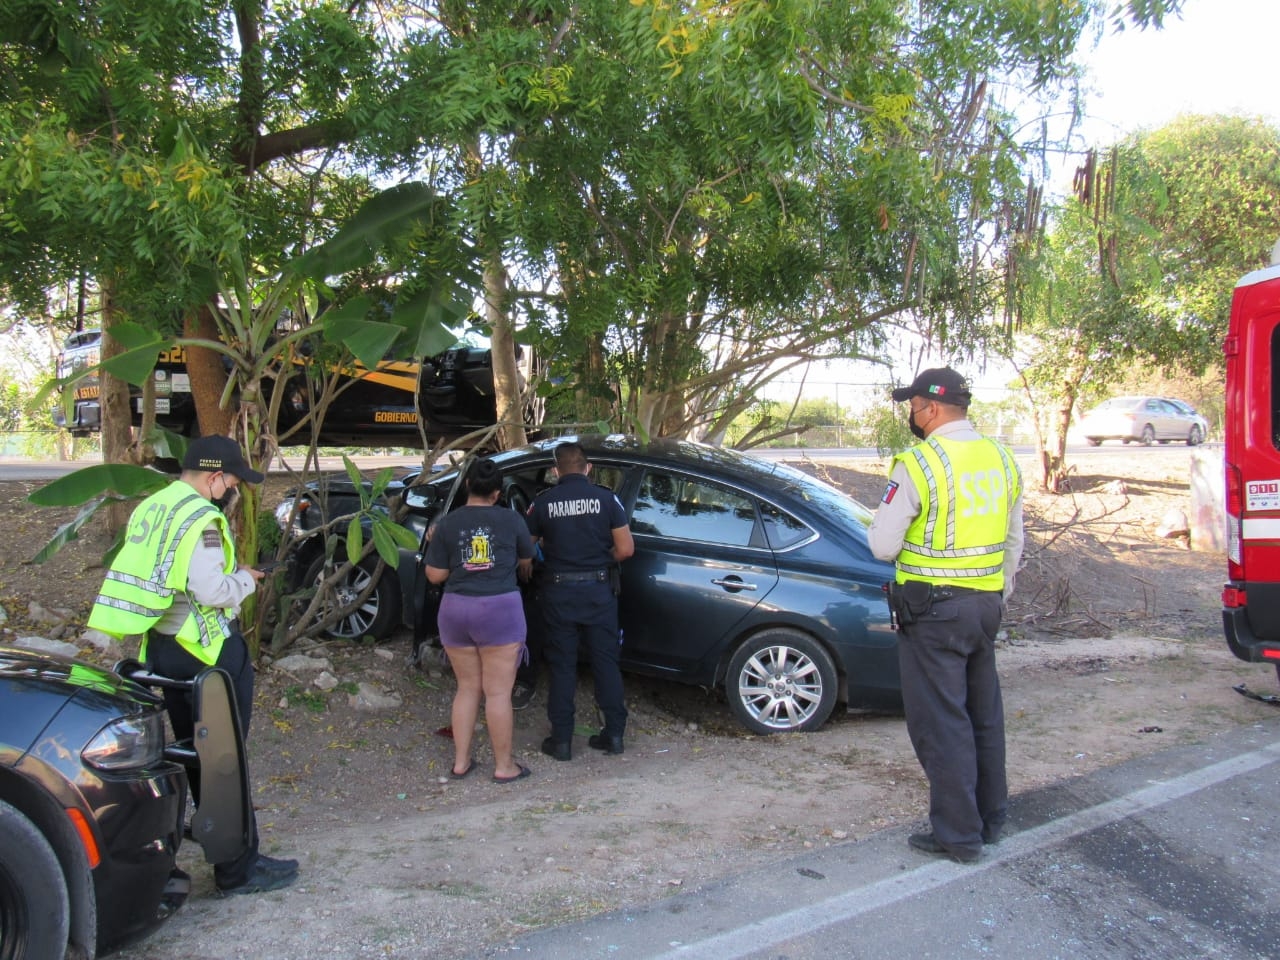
{"points": [[1146, 420]]}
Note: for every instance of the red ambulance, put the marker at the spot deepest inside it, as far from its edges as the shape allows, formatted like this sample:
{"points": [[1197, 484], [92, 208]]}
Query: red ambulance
{"points": [[1251, 597]]}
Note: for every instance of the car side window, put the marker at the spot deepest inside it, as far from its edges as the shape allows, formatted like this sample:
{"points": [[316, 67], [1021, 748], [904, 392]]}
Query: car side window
{"points": [[669, 505], [782, 529]]}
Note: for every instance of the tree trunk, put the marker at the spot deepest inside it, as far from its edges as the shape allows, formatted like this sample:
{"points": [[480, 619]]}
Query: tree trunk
{"points": [[591, 406], [113, 400], [507, 388], [207, 375]]}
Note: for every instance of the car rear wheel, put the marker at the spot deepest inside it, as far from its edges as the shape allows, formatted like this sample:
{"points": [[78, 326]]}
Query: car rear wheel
{"points": [[1195, 437], [376, 616], [1148, 435], [781, 681], [35, 912], [1093, 441]]}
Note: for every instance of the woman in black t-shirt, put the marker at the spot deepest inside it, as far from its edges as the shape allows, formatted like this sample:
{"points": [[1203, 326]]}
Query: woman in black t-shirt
{"points": [[479, 552]]}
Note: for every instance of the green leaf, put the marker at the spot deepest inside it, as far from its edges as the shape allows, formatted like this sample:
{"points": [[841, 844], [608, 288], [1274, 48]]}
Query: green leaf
{"points": [[83, 485], [368, 340], [357, 481], [385, 544], [430, 316], [134, 366], [380, 482], [355, 539], [69, 531], [383, 219], [400, 535]]}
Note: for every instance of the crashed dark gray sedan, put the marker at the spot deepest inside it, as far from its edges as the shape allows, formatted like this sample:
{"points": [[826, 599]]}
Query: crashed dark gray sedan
{"points": [[749, 576]]}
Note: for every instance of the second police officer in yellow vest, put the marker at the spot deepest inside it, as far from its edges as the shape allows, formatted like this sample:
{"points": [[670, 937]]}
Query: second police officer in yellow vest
{"points": [[176, 583], [951, 520]]}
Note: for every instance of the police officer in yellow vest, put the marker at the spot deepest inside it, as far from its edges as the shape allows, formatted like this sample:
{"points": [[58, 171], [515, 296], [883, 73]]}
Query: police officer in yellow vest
{"points": [[951, 520], [176, 583]]}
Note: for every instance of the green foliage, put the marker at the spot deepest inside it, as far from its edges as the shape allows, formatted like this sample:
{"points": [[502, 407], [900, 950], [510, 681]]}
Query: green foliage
{"points": [[1141, 271], [885, 426]]}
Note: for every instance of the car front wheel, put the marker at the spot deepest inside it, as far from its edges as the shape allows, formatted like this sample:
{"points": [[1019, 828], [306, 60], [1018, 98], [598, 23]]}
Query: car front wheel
{"points": [[781, 681], [1195, 437], [35, 912], [376, 615]]}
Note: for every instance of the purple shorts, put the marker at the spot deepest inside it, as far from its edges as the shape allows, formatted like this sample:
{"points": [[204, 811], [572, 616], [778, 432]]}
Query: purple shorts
{"points": [[494, 621]]}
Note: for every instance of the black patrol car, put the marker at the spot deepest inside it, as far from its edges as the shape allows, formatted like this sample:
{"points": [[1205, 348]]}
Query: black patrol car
{"points": [[376, 408]]}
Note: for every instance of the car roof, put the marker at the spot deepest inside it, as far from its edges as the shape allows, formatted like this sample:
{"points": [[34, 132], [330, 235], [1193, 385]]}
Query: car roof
{"points": [[770, 479], [686, 454]]}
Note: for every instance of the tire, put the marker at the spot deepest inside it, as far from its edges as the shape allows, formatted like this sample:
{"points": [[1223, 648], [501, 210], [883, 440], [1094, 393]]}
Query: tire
{"points": [[379, 613], [1148, 435], [781, 681], [35, 911], [1094, 441], [1195, 437]]}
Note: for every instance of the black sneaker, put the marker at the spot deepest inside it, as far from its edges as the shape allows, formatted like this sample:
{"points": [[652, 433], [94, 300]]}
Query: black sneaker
{"points": [[522, 695], [260, 880]]}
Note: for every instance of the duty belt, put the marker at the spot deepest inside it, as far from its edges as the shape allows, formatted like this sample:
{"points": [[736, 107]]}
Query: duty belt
{"points": [[583, 576], [951, 590]]}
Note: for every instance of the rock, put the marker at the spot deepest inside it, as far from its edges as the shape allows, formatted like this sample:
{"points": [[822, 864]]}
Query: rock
{"points": [[325, 680], [301, 663], [383, 653], [369, 697], [41, 614], [100, 641], [1173, 525], [45, 645], [1115, 486]]}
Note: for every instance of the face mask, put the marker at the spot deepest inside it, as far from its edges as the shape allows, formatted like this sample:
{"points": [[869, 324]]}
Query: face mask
{"points": [[226, 503], [916, 430]]}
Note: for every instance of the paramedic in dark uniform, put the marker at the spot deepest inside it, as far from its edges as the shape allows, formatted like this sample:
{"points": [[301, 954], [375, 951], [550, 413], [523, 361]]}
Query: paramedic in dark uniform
{"points": [[584, 535], [951, 520]]}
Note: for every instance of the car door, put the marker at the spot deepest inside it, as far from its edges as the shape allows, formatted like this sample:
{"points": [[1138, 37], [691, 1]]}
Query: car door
{"points": [[701, 564]]}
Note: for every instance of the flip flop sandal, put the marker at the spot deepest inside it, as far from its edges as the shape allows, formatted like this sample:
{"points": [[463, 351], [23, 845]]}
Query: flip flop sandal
{"points": [[524, 772], [453, 775]]}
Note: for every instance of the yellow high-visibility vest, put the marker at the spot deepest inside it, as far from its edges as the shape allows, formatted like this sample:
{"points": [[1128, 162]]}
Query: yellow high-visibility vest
{"points": [[967, 490], [152, 566]]}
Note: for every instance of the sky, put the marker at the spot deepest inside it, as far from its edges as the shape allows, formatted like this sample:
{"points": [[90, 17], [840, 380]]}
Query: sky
{"points": [[1218, 57]]}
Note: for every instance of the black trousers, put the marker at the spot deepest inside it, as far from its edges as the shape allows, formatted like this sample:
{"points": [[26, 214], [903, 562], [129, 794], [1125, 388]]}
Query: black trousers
{"points": [[574, 612], [955, 715], [168, 658]]}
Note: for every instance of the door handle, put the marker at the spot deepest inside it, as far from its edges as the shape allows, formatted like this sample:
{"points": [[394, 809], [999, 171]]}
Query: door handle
{"points": [[733, 583]]}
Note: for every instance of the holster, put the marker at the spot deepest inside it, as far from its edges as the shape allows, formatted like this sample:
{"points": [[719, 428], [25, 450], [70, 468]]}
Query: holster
{"points": [[909, 601], [615, 579]]}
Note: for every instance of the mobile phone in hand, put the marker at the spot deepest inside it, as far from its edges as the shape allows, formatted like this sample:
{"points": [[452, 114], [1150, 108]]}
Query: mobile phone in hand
{"points": [[266, 566]]}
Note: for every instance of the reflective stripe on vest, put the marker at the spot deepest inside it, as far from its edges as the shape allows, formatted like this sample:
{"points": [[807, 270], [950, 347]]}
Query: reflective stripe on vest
{"points": [[152, 567], [967, 490]]}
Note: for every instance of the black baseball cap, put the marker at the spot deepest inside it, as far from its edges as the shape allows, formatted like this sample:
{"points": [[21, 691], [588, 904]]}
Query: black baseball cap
{"points": [[211, 454], [941, 383]]}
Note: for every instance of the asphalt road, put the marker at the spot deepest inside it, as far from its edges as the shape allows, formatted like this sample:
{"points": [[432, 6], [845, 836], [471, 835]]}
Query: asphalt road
{"points": [[1171, 856]]}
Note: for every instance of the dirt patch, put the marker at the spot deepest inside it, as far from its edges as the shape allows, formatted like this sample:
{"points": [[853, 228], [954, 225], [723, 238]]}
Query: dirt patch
{"points": [[1113, 649]]}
